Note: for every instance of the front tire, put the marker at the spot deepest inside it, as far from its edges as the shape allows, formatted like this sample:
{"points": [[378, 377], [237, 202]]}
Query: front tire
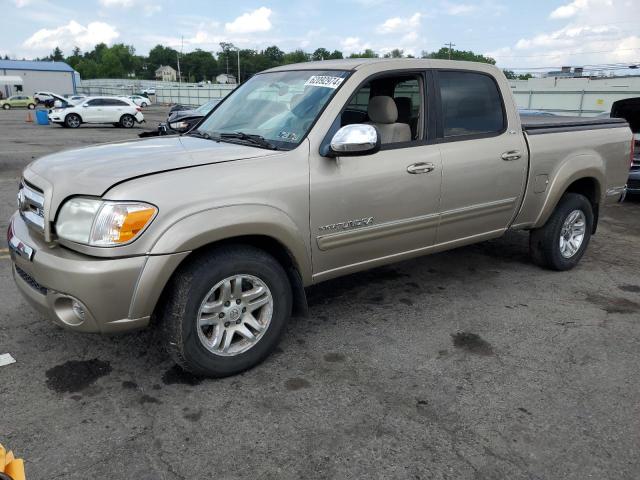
{"points": [[562, 241], [226, 310], [72, 120], [31, 106], [127, 121], [6, 106], [143, 105]]}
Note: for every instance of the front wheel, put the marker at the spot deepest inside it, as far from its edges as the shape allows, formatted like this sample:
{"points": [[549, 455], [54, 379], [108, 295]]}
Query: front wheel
{"points": [[127, 121], [226, 310], [143, 105], [72, 120], [6, 106], [562, 241], [31, 106]]}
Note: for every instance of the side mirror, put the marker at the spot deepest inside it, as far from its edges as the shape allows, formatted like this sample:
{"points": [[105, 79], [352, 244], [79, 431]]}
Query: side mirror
{"points": [[57, 104], [355, 139]]}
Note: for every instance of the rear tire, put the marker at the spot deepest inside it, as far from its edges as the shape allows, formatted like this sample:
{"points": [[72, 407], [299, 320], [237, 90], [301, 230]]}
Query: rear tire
{"points": [[144, 105], [127, 121], [31, 106], [73, 120], [562, 241], [200, 285]]}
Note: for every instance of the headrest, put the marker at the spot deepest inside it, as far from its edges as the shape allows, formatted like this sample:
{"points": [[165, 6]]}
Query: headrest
{"points": [[382, 109], [405, 107]]}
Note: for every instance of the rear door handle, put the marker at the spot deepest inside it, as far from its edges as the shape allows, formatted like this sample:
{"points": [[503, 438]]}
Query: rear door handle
{"points": [[511, 155], [421, 167]]}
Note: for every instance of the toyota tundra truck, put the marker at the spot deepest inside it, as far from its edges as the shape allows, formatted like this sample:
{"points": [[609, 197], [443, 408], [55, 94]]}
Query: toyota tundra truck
{"points": [[302, 174]]}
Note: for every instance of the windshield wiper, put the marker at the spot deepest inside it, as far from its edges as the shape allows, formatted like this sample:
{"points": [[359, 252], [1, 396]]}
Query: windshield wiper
{"points": [[255, 139], [199, 134]]}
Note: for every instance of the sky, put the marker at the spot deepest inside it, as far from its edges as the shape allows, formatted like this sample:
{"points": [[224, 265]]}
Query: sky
{"points": [[518, 34]]}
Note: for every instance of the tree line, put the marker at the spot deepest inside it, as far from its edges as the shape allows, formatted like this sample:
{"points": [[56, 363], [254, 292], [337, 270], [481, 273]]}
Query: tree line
{"points": [[121, 61]]}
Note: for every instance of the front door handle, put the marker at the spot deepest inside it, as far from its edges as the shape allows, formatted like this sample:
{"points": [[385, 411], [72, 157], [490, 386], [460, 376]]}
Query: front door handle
{"points": [[421, 167], [511, 155]]}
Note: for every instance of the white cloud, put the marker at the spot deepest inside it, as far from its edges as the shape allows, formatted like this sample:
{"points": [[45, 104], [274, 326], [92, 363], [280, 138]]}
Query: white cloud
{"points": [[70, 35], [22, 3], [596, 32], [570, 9], [255, 21], [117, 3], [354, 44], [148, 7], [397, 24], [458, 8]]}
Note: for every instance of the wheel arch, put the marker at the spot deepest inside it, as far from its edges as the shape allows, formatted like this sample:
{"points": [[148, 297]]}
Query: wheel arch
{"points": [[197, 235], [582, 174]]}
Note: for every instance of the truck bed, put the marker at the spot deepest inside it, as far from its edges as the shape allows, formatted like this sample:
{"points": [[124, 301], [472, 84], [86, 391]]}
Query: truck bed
{"points": [[539, 124]]}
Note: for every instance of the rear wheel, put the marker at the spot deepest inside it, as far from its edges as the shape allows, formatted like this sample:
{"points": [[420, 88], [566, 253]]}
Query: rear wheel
{"points": [[127, 121], [144, 105], [226, 310], [562, 241], [72, 120], [31, 106]]}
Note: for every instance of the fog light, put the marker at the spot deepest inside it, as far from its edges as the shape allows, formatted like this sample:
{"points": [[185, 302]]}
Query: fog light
{"points": [[78, 309]]}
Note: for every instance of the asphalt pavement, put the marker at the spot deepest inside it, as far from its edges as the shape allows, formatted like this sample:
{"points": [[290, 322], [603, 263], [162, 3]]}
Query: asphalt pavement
{"points": [[470, 364]]}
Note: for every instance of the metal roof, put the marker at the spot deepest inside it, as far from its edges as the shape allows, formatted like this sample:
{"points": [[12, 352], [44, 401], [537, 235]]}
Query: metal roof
{"points": [[35, 65]]}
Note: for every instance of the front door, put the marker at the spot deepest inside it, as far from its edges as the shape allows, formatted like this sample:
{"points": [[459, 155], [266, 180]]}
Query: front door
{"points": [[372, 209], [484, 158]]}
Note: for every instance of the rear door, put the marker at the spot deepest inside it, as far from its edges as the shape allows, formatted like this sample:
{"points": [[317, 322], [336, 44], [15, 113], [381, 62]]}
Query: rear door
{"points": [[484, 156], [117, 108]]}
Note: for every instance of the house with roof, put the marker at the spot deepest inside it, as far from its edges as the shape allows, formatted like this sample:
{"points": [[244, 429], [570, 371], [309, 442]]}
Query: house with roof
{"points": [[29, 77], [166, 73]]}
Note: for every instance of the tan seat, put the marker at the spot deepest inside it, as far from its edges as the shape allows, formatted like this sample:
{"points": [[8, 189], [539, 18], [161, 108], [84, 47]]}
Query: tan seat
{"points": [[383, 114]]}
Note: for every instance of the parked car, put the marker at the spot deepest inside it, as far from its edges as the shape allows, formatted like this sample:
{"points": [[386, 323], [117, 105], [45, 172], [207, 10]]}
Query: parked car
{"points": [[74, 99], [217, 232], [182, 121], [120, 112], [17, 101], [629, 110], [48, 98], [140, 100], [149, 91]]}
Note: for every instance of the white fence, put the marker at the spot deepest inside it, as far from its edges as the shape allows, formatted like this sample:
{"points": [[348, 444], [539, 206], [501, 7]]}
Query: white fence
{"points": [[166, 92]]}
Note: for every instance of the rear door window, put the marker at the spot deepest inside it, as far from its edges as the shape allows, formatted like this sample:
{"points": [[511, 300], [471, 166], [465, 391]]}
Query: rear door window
{"points": [[471, 104]]}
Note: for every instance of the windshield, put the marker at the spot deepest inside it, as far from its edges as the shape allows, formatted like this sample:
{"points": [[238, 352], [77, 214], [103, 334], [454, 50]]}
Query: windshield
{"points": [[279, 107]]}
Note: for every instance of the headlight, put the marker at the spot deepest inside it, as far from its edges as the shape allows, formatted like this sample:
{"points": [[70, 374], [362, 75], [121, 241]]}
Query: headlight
{"points": [[179, 125], [99, 223]]}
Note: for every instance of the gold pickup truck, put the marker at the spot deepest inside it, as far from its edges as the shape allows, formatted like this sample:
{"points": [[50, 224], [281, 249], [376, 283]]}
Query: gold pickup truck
{"points": [[304, 173]]}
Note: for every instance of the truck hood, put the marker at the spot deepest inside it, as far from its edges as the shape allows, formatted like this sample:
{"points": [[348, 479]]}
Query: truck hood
{"points": [[94, 170]]}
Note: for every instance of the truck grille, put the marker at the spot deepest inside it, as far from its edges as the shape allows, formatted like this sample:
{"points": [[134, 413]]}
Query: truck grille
{"points": [[31, 205], [30, 280]]}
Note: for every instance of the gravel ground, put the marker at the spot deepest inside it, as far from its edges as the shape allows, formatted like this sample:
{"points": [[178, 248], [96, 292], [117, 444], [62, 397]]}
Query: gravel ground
{"points": [[470, 364]]}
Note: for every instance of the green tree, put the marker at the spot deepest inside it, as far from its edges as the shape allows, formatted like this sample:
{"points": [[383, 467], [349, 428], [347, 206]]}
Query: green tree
{"points": [[466, 55], [395, 53], [368, 53], [336, 55], [297, 56], [57, 55], [274, 55], [321, 54]]}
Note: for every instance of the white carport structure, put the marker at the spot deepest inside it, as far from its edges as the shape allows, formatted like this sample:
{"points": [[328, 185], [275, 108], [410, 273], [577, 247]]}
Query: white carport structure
{"points": [[8, 83]]}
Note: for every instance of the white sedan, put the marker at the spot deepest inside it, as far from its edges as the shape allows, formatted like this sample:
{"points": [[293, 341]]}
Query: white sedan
{"points": [[120, 112], [140, 100]]}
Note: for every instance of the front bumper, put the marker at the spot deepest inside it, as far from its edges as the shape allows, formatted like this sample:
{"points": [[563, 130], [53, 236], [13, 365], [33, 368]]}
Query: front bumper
{"points": [[109, 291]]}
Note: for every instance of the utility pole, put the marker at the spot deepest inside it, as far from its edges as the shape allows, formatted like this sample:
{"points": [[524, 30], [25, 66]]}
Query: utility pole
{"points": [[238, 82], [450, 45], [179, 55]]}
